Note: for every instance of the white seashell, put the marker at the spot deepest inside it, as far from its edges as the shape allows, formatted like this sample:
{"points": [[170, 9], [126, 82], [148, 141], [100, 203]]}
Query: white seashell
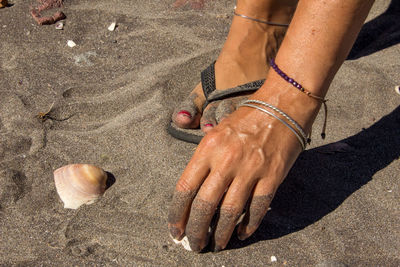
{"points": [[59, 25], [112, 26], [71, 43], [397, 89], [273, 259], [184, 242], [79, 184]]}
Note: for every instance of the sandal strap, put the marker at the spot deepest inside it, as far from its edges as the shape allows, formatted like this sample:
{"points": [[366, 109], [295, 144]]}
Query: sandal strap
{"points": [[212, 94]]}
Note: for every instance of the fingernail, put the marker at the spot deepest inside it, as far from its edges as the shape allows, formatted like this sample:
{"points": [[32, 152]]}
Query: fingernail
{"points": [[194, 244], [175, 232], [242, 236], [208, 125], [217, 248], [185, 113]]}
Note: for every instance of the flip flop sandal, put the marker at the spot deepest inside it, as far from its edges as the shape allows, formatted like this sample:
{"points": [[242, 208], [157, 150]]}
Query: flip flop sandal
{"points": [[211, 94]]}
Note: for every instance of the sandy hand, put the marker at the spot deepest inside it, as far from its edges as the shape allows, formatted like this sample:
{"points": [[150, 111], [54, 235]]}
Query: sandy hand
{"points": [[242, 160]]}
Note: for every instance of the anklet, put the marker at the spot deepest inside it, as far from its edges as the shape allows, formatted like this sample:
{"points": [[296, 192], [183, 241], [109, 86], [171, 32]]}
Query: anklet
{"points": [[301, 139], [261, 21], [302, 89]]}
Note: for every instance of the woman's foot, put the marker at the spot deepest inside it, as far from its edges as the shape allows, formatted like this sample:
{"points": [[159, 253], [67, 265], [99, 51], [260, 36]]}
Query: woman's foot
{"points": [[243, 59]]}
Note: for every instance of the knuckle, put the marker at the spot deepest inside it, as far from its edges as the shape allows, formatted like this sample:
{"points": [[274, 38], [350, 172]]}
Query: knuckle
{"points": [[211, 139], [183, 186], [258, 157]]}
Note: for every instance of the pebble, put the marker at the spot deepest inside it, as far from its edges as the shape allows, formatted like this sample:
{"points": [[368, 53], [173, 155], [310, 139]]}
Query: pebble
{"points": [[59, 25], [112, 26], [71, 43], [273, 259], [184, 242]]}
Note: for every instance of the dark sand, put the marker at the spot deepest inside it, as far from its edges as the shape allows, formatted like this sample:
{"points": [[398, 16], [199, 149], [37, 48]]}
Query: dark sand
{"points": [[116, 91]]}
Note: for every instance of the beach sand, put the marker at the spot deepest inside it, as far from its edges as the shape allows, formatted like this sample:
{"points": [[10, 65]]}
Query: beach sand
{"points": [[113, 95]]}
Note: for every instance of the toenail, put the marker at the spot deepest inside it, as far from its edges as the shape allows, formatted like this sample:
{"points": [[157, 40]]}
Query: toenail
{"points": [[208, 125], [185, 113]]}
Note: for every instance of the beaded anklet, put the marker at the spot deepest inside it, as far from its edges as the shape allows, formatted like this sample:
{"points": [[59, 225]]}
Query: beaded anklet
{"points": [[302, 89]]}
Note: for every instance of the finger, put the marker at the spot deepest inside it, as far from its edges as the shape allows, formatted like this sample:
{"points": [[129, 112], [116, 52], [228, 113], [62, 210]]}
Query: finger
{"points": [[203, 209], [231, 209], [262, 197], [185, 191], [207, 121]]}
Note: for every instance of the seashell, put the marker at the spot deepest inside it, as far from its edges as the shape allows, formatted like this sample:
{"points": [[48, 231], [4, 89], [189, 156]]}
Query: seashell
{"points": [[3, 3], [59, 25], [71, 43], [112, 26], [397, 89], [79, 184]]}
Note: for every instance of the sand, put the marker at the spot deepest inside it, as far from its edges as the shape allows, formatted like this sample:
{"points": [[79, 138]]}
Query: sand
{"points": [[113, 94]]}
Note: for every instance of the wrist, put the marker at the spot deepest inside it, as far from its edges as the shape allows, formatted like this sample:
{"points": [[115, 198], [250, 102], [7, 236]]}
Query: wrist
{"points": [[302, 108]]}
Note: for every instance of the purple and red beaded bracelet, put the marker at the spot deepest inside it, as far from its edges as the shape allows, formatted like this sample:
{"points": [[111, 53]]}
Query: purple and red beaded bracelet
{"points": [[302, 89]]}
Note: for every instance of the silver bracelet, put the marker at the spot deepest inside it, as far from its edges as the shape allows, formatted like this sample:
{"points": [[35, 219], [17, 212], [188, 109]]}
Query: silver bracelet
{"points": [[298, 127], [301, 140]]}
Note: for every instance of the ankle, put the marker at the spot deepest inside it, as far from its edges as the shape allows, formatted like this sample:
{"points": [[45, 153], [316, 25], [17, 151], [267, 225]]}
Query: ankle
{"points": [[279, 11], [246, 40]]}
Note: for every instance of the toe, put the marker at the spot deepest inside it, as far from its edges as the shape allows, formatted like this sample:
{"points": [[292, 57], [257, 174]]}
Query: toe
{"points": [[185, 117], [187, 114], [208, 121]]}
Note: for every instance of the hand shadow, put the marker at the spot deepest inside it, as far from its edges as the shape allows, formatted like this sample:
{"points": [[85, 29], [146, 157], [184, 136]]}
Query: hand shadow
{"points": [[319, 183], [379, 33]]}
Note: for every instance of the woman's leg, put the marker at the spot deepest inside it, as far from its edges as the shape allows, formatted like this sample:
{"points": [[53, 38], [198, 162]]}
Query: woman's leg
{"points": [[243, 57], [248, 155]]}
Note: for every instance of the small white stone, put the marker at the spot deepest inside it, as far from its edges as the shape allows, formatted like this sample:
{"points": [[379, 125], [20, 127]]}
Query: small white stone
{"points": [[184, 242], [240, 218], [273, 259], [390, 191], [71, 43], [112, 26], [59, 25], [397, 89]]}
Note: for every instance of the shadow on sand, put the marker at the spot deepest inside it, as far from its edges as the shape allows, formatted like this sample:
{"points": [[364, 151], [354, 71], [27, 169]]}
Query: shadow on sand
{"points": [[319, 183], [379, 33]]}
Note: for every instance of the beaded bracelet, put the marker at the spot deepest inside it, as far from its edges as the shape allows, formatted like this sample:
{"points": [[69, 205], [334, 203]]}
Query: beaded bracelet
{"points": [[302, 89]]}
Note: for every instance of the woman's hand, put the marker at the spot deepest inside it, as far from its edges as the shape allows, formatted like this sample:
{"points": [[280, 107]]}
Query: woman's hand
{"points": [[240, 162]]}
